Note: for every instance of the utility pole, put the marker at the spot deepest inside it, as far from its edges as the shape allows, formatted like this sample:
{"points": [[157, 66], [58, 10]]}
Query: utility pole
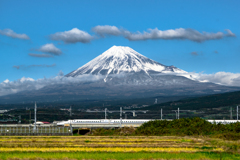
{"points": [[35, 117], [19, 119], [161, 113], [230, 113], [125, 115], [120, 117], [105, 113], [134, 114], [71, 129], [30, 116], [178, 113], [237, 112], [70, 111]]}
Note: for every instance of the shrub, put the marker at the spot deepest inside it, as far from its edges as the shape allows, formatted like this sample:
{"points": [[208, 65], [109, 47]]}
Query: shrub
{"points": [[189, 126]]}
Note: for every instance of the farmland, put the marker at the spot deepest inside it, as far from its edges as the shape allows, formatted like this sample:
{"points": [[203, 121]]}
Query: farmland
{"points": [[116, 147]]}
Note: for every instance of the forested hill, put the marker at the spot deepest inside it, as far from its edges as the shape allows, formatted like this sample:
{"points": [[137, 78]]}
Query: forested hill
{"points": [[211, 101]]}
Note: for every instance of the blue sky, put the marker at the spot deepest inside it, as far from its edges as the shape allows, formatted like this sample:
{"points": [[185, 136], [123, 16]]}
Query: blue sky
{"points": [[32, 42]]}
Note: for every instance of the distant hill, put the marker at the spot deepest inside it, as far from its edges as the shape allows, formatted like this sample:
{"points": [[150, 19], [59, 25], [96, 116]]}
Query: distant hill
{"points": [[210, 101]]}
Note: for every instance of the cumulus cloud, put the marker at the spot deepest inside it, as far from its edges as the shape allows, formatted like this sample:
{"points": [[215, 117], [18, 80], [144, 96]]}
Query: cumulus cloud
{"points": [[106, 30], [194, 53], [11, 33], [229, 33], [50, 48], [39, 55], [72, 36], [222, 78], [177, 34], [34, 65], [24, 84], [171, 34]]}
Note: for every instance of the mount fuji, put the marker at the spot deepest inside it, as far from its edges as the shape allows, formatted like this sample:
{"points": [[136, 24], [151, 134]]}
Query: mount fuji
{"points": [[120, 72], [119, 59]]}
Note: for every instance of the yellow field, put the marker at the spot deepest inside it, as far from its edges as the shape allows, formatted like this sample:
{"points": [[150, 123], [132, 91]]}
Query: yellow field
{"points": [[106, 144], [117, 147]]}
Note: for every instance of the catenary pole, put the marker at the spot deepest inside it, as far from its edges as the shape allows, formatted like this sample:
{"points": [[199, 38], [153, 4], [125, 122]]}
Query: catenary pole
{"points": [[178, 113], [105, 113], [120, 117], [237, 112], [35, 117], [161, 113]]}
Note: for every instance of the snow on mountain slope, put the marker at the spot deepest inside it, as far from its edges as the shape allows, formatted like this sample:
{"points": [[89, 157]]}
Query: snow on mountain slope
{"points": [[119, 59]]}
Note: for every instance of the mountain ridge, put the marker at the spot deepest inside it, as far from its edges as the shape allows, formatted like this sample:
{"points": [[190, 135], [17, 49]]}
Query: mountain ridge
{"points": [[124, 73], [120, 59]]}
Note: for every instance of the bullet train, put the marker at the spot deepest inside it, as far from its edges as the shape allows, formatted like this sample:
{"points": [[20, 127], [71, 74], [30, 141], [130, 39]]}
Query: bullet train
{"points": [[223, 121], [103, 121], [126, 121]]}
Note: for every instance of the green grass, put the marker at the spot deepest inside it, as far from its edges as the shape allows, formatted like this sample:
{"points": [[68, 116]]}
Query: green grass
{"points": [[119, 156]]}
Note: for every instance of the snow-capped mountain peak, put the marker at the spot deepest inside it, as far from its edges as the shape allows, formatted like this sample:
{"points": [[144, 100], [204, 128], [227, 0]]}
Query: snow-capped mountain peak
{"points": [[120, 59]]}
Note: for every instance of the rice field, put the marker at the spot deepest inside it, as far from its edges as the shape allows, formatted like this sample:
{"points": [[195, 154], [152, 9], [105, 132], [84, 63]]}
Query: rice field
{"points": [[117, 147]]}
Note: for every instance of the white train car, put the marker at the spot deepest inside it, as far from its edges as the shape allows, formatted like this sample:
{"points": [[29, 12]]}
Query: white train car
{"points": [[103, 121], [223, 121], [126, 121]]}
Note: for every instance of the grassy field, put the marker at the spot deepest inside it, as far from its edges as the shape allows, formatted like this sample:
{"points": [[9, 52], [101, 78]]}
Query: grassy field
{"points": [[116, 147]]}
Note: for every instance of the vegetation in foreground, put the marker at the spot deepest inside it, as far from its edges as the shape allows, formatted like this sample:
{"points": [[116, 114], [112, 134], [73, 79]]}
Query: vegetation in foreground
{"points": [[117, 147], [192, 138], [179, 127], [117, 156]]}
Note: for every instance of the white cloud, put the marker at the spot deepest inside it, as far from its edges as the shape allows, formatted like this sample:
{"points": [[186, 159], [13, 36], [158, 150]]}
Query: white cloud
{"points": [[39, 55], [50, 48], [11, 33], [229, 33], [222, 78], [72, 36], [178, 34], [24, 84], [171, 34], [6, 81], [106, 30], [8, 87]]}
